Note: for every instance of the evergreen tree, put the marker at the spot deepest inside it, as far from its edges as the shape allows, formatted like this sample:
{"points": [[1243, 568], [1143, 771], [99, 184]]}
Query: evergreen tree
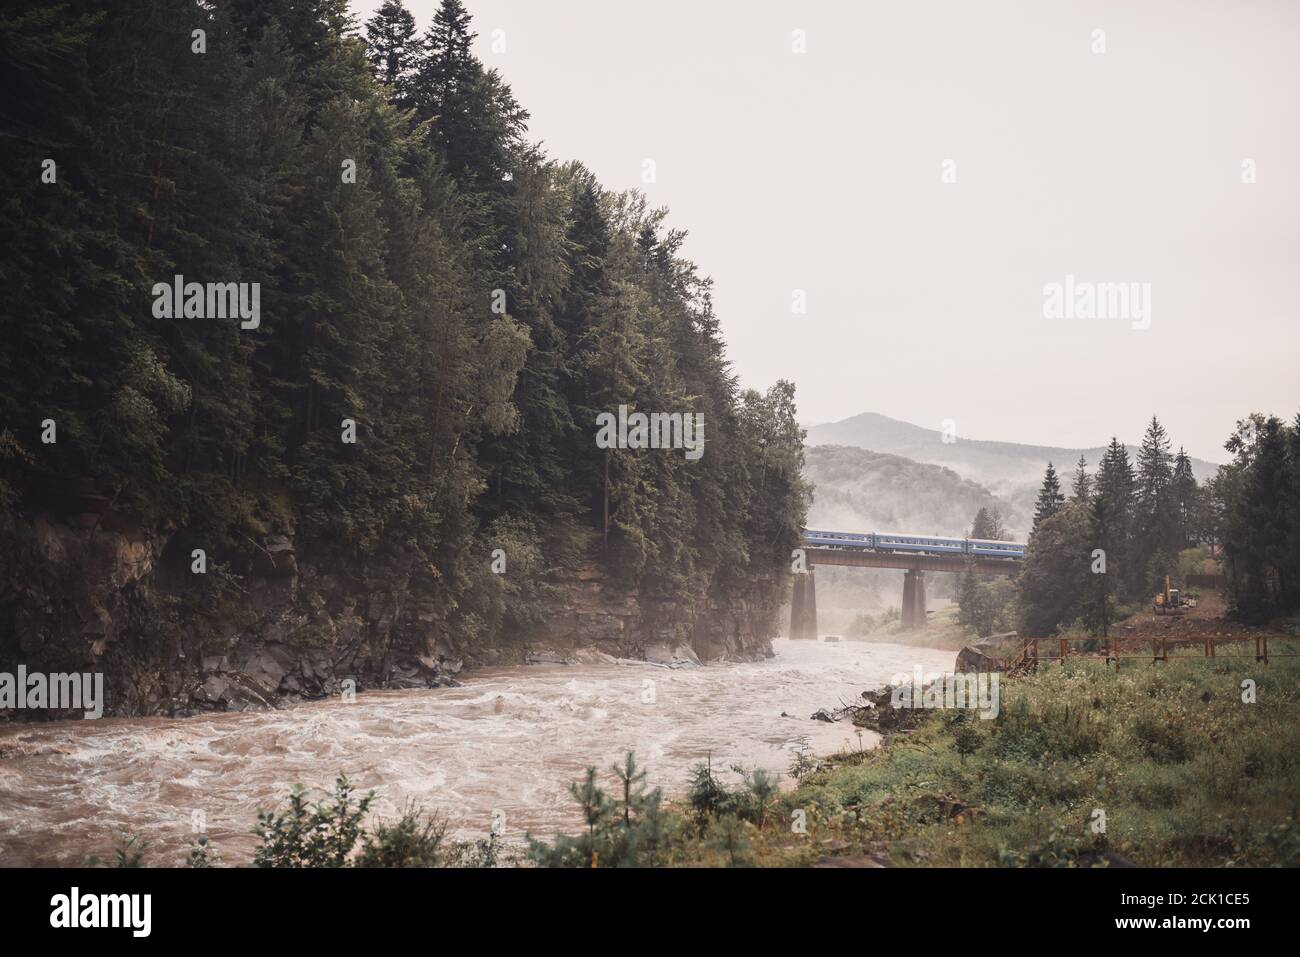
{"points": [[997, 531], [968, 600], [1053, 581], [1155, 517], [394, 49], [1258, 537], [1082, 490], [1186, 496], [1050, 498], [982, 527], [1100, 607], [1114, 483]]}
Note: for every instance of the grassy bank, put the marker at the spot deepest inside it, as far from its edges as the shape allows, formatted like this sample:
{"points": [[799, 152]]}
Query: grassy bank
{"points": [[1184, 771]]}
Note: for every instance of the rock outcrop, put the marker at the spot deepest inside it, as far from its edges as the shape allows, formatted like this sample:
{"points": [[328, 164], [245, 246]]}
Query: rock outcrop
{"points": [[97, 592], [988, 654]]}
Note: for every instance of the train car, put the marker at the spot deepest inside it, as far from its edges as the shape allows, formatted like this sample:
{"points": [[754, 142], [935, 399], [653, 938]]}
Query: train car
{"points": [[908, 542], [825, 539], [987, 548]]}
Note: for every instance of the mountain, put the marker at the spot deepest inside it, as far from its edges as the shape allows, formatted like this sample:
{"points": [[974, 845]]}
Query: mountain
{"points": [[859, 489], [1010, 470]]}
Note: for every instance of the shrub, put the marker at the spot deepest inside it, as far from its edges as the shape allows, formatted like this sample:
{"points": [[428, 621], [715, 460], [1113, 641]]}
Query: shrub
{"points": [[320, 836], [203, 853], [757, 796], [634, 831], [1162, 740], [128, 853], [707, 795], [414, 840]]}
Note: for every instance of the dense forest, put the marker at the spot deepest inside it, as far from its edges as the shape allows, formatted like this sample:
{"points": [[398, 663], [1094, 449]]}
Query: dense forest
{"points": [[1129, 524], [443, 312]]}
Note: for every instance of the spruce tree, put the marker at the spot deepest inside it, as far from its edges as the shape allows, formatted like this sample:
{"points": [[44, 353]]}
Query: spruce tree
{"points": [[394, 49], [1155, 518], [997, 531], [1100, 600], [1114, 483], [968, 601], [1050, 498], [1082, 490], [1186, 496]]}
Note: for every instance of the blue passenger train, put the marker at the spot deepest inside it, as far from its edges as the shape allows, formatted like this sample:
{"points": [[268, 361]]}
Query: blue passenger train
{"points": [[906, 542]]}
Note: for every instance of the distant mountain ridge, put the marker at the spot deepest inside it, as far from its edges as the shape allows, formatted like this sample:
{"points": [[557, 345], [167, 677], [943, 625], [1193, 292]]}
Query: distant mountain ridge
{"points": [[1011, 470], [862, 490]]}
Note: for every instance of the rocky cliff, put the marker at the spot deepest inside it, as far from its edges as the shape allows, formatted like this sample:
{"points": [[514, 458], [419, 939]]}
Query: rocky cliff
{"points": [[94, 591]]}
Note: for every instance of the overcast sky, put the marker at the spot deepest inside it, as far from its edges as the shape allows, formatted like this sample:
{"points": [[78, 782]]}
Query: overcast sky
{"points": [[822, 172]]}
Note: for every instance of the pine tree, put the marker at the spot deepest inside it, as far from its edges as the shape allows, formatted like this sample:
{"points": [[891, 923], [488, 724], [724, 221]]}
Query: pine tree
{"points": [[1155, 519], [1114, 483], [969, 611], [1291, 510], [631, 780], [394, 49], [1082, 490], [997, 531], [476, 124], [982, 527], [1186, 496], [1050, 498], [1053, 585], [1266, 520], [1100, 600]]}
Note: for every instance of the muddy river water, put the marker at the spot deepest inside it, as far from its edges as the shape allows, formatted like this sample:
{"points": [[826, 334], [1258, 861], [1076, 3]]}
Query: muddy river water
{"points": [[507, 741]]}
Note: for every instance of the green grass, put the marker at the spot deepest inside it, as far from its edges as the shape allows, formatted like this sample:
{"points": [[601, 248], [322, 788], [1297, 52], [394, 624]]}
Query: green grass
{"points": [[1184, 772]]}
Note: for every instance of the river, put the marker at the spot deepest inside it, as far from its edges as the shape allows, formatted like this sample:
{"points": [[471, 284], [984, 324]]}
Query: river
{"points": [[508, 740]]}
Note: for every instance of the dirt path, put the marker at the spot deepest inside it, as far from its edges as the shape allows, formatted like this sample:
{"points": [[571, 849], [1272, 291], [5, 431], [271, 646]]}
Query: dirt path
{"points": [[1193, 626]]}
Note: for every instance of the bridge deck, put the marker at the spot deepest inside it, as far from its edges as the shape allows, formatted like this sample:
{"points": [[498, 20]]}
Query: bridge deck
{"points": [[862, 558]]}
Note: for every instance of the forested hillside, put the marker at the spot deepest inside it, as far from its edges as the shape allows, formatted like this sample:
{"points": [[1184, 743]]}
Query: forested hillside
{"points": [[859, 489], [1112, 541], [1011, 470], [322, 491]]}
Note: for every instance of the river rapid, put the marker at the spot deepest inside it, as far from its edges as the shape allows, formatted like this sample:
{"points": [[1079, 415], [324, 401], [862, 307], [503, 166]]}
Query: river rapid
{"points": [[508, 740]]}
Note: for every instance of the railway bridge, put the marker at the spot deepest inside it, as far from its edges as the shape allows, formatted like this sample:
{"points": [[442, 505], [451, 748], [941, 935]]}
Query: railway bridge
{"points": [[914, 555]]}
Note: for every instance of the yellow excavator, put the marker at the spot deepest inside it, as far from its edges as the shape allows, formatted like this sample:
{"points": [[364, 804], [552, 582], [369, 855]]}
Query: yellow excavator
{"points": [[1171, 601]]}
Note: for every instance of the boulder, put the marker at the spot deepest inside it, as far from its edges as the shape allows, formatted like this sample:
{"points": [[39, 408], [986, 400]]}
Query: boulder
{"points": [[673, 656], [267, 665], [972, 658]]}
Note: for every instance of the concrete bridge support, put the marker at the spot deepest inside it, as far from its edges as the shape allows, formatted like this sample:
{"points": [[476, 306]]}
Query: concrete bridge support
{"points": [[803, 606], [914, 599]]}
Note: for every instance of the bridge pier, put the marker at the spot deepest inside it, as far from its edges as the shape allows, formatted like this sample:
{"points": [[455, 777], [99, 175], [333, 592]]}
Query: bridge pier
{"points": [[914, 598], [803, 606]]}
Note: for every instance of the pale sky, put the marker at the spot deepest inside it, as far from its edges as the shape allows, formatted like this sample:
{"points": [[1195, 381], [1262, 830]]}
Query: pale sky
{"points": [[821, 172]]}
